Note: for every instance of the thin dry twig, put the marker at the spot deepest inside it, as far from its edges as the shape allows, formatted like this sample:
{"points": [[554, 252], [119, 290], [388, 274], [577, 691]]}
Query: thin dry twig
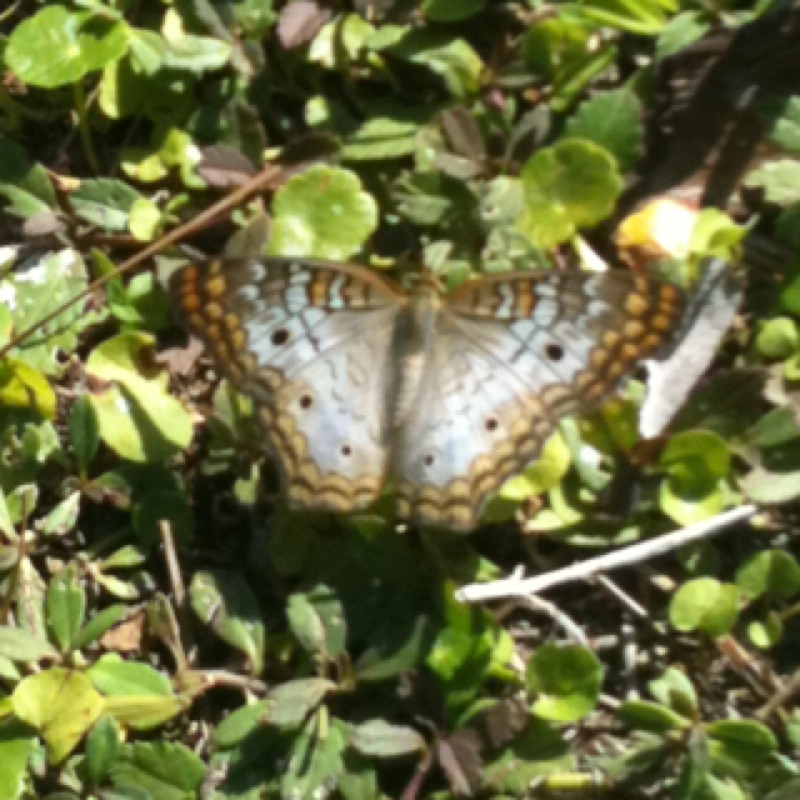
{"points": [[186, 639], [517, 586]]}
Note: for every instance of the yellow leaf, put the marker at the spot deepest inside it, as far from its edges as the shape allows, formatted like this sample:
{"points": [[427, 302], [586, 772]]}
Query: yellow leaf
{"points": [[61, 704]]}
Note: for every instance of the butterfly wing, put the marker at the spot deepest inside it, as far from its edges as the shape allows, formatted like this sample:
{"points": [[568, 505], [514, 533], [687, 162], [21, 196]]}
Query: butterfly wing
{"points": [[308, 341], [511, 355]]}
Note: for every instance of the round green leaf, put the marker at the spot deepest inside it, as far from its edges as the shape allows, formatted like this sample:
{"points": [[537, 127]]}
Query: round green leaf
{"points": [[613, 121], [695, 463], [687, 508], [767, 632], [56, 47], [571, 185], [773, 572], [778, 338], [548, 471], [705, 604], [567, 681], [696, 457], [323, 213]]}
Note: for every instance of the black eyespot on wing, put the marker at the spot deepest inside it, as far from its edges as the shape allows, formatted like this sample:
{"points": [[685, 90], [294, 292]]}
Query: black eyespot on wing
{"points": [[429, 461], [280, 337], [306, 401], [554, 351], [347, 450], [491, 424]]}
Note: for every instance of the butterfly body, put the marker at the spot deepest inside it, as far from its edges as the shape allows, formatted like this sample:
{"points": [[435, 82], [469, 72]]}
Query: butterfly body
{"points": [[358, 382]]}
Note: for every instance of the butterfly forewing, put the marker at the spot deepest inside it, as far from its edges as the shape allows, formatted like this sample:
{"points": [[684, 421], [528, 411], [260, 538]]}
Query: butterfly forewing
{"points": [[512, 354], [308, 341]]}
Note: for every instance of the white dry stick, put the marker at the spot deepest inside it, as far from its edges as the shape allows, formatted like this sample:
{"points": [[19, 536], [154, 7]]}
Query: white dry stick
{"points": [[517, 586]]}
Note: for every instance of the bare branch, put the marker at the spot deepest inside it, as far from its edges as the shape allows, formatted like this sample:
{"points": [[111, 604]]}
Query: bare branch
{"points": [[516, 586]]}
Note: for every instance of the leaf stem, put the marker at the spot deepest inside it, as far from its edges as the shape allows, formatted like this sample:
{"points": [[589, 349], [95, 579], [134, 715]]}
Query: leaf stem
{"points": [[83, 127]]}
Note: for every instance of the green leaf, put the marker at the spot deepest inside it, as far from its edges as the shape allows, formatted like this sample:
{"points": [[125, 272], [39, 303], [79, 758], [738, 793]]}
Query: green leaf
{"points": [[239, 724], [681, 31], [381, 137], [705, 604], [380, 739], [34, 290], [611, 120], [126, 91], [571, 185], [146, 220], [324, 213], [84, 436], [17, 745], [780, 181], [136, 694], [142, 303], [771, 572], [449, 57], [744, 740], [643, 17], [318, 621], [778, 338], [695, 463], [696, 457], [25, 184], [147, 50], [675, 691], [567, 681], [56, 47], [561, 50], [645, 716], [65, 606], [548, 471], [137, 416], [20, 645], [61, 705], [289, 704], [63, 518], [785, 125], [314, 762], [25, 389], [168, 771], [105, 203], [186, 51], [98, 624], [113, 676], [376, 664], [102, 750], [766, 632], [224, 601]]}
